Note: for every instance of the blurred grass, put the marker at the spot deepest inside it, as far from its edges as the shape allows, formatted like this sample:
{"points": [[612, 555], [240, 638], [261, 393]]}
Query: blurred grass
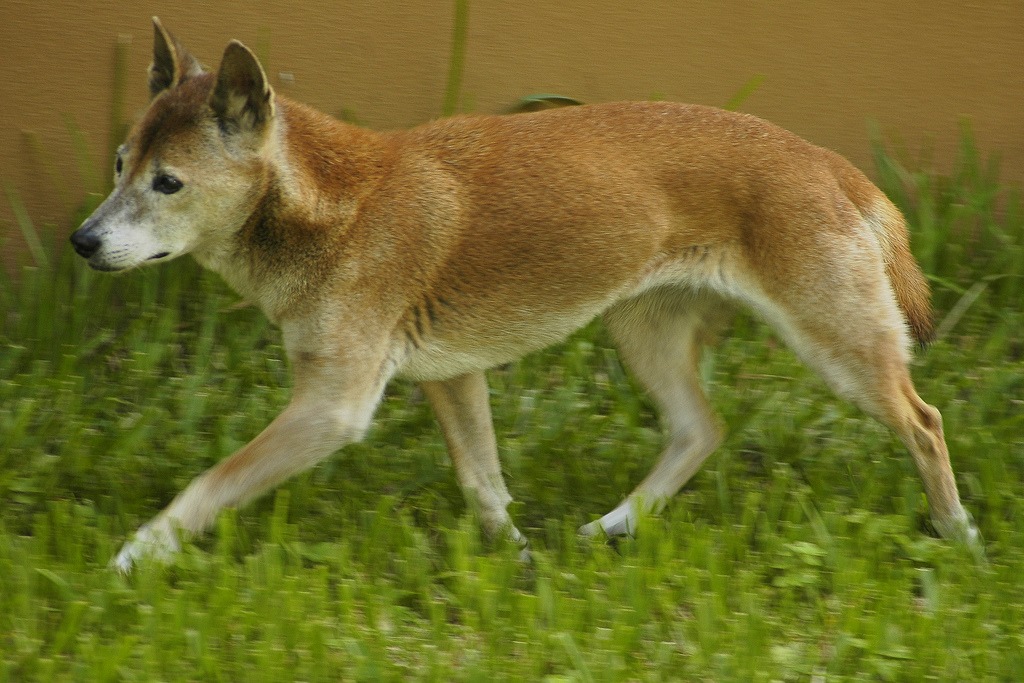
{"points": [[801, 550]]}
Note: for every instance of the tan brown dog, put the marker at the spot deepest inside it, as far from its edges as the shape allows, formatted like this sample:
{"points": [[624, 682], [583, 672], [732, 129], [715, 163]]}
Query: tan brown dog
{"points": [[436, 253]]}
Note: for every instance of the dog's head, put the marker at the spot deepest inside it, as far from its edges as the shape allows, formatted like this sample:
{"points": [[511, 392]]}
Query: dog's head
{"points": [[193, 168]]}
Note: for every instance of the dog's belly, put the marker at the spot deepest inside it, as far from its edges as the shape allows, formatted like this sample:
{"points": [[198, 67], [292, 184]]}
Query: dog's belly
{"points": [[490, 343], [483, 338]]}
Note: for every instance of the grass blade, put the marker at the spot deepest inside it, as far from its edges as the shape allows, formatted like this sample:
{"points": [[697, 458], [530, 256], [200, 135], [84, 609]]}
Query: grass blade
{"points": [[28, 230], [457, 61], [745, 91]]}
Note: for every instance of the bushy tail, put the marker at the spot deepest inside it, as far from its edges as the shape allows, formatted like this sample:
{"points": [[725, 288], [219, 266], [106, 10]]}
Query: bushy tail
{"points": [[890, 228], [904, 274]]}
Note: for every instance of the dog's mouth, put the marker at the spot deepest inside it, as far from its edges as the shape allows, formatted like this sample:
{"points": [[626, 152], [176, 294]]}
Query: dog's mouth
{"points": [[117, 267], [103, 267]]}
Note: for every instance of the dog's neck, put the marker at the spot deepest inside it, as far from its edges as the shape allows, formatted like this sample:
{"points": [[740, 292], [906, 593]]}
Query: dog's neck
{"points": [[317, 171], [324, 166]]}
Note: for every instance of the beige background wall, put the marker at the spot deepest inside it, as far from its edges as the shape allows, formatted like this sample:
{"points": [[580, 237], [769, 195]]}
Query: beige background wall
{"points": [[915, 67]]}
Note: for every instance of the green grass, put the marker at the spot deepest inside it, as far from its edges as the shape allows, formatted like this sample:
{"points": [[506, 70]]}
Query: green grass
{"points": [[801, 550]]}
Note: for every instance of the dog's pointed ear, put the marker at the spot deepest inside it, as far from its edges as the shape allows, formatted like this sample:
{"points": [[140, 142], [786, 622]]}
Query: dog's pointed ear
{"points": [[172, 64], [242, 99]]}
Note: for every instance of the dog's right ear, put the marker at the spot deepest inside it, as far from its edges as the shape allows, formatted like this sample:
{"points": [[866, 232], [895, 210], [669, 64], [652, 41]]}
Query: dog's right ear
{"points": [[172, 64]]}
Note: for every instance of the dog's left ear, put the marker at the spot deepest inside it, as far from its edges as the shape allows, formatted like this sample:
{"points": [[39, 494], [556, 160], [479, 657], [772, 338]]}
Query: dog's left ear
{"points": [[242, 99]]}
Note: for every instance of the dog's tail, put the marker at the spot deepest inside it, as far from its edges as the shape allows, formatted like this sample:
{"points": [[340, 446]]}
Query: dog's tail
{"points": [[890, 229], [905, 276]]}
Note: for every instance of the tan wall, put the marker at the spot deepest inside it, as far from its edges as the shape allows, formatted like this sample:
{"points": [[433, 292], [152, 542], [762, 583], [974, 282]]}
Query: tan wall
{"points": [[915, 67]]}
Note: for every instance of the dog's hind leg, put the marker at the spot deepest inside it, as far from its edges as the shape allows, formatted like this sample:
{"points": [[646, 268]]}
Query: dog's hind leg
{"points": [[462, 407], [660, 337], [843, 320]]}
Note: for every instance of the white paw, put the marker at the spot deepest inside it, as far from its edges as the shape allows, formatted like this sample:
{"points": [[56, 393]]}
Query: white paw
{"points": [[525, 556], [619, 522], [157, 541], [962, 529]]}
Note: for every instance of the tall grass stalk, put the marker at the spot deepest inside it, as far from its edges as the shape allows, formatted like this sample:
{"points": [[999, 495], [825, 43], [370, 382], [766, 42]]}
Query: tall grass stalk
{"points": [[27, 228], [457, 58], [118, 125]]}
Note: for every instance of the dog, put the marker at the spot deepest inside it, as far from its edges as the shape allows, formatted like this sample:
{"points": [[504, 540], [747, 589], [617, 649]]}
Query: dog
{"points": [[435, 253]]}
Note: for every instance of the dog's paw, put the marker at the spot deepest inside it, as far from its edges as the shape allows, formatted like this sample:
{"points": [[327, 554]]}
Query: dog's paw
{"points": [[621, 521], [157, 542], [962, 530], [525, 556]]}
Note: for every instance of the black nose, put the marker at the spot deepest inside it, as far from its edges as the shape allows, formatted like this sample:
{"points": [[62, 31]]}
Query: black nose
{"points": [[86, 243]]}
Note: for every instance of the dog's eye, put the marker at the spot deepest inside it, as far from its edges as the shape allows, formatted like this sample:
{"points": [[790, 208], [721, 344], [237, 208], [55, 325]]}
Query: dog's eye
{"points": [[118, 165], [167, 184]]}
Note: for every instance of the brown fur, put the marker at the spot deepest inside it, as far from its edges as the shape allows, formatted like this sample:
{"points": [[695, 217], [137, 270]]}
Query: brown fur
{"points": [[438, 252]]}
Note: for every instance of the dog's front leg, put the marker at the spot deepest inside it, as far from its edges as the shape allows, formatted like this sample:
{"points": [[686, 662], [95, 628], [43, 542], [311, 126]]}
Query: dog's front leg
{"points": [[316, 423]]}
